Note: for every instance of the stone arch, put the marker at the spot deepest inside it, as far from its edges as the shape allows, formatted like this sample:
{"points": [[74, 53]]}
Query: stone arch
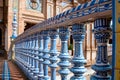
{"points": [[2, 36], [2, 41]]}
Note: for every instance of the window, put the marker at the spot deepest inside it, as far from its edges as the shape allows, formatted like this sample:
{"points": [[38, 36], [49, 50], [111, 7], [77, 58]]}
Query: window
{"points": [[49, 11], [58, 10]]}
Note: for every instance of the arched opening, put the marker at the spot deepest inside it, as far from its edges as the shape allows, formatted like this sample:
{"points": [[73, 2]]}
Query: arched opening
{"points": [[1, 44], [0, 37], [70, 46], [3, 53], [28, 25]]}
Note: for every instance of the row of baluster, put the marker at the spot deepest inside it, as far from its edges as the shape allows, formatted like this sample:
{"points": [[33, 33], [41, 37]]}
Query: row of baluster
{"points": [[33, 55]]}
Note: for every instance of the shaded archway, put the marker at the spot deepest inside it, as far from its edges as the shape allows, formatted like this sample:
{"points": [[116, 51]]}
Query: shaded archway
{"points": [[2, 42], [0, 37], [28, 25]]}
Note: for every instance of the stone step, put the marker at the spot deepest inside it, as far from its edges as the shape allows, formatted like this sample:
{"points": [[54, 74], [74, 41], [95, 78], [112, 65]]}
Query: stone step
{"points": [[15, 72], [1, 67]]}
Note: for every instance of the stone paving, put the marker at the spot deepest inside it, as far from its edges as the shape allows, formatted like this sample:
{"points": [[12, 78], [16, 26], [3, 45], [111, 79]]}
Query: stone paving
{"points": [[1, 66], [88, 73], [16, 73]]}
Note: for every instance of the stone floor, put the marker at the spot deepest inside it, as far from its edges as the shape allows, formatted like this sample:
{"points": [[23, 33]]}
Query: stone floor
{"points": [[1, 66], [15, 72], [87, 74]]}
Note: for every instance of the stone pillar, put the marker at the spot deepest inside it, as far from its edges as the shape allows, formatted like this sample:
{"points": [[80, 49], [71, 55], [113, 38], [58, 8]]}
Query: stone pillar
{"points": [[78, 33], [93, 47], [16, 52], [40, 76], [53, 53], [13, 36], [64, 55], [46, 54], [102, 32], [88, 44], [14, 25]]}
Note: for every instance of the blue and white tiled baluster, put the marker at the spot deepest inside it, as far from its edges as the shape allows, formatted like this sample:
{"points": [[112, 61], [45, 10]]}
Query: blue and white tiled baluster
{"points": [[78, 34], [46, 61], [36, 72], [27, 58], [40, 76], [53, 53], [64, 55], [32, 55], [25, 54], [15, 25], [102, 32], [28, 54]]}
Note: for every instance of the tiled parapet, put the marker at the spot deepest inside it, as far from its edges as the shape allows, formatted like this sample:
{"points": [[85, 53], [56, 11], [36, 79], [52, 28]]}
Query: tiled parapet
{"points": [[89, 10], [81, 14], [14, 26]]}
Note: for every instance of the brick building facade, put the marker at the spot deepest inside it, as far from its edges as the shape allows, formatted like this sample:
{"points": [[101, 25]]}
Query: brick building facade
{"points": [[31, 12]]}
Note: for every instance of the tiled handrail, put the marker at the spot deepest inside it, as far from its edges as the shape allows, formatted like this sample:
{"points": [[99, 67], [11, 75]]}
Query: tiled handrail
{"points": [[80, 14]]}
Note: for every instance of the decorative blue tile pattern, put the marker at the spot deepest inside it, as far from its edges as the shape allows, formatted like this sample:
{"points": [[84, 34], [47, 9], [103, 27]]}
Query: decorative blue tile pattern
{"points": [[36, 49], [46, 61], [15, 25], [102, 32], [78, 33], [32, 55], [89, 8], [53, 53], [40, 56], [37, 6], [64, 55]]}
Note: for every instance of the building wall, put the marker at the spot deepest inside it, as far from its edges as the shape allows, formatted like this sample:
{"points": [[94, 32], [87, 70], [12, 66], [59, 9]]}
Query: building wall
{"points": [[49, 9], [24, 15]]}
